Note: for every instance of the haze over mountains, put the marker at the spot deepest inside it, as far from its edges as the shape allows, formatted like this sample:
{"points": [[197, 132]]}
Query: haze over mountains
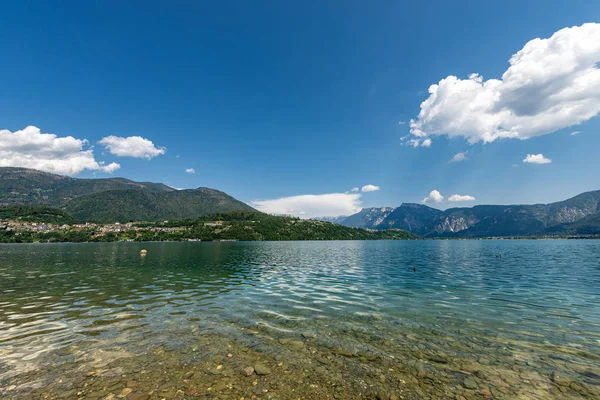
{"points": [[577, 215]]}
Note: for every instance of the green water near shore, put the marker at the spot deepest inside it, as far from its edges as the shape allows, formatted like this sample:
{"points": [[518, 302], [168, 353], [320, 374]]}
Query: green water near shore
{"points": [[314, 320]]}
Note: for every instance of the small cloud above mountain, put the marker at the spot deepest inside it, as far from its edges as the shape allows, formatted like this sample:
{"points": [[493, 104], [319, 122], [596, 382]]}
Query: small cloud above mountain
{"points": [[434, 197], [459, 157], [132, 146], [369, 188], [458, 197], [536, 159]]}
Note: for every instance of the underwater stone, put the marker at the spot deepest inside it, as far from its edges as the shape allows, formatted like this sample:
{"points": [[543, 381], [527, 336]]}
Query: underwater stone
{"points": [[261, 369]]}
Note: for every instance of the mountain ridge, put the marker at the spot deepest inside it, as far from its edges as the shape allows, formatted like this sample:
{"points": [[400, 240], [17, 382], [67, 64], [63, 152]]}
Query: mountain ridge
{"points": [[492, 220], [111, 199], [21, 186]]}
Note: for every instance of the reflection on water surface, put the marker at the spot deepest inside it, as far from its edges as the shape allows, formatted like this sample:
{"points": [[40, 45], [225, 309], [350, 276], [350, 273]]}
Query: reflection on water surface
{"points": [[312, 320]]}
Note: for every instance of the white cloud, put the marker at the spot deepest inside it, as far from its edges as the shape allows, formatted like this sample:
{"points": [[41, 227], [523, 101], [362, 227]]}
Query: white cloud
{"points": [[177, 156], [459, 157], [458, 197], [355, 189], [551, 84], [310, 205], [536, 159], [190, 171], [132, 146], [416, 142], [434, 197], [575, 133], [370, 188], [110, 168], [30, 148], [401, 122]]}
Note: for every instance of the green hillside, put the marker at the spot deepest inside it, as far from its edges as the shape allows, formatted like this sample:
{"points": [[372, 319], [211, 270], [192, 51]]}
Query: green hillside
{"points": [[143, 205], [110, 199], [27, 186], [260, 226], [236, 225], [49, 215]]}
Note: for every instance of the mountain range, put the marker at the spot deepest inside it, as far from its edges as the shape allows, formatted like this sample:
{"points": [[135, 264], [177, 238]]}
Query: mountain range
{"points": [[111, 199], [122, 200], [579, 215]]}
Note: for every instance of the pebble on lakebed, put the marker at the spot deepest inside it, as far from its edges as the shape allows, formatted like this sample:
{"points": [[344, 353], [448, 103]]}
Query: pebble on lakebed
{"points": [[470, 383], [261, 369]]}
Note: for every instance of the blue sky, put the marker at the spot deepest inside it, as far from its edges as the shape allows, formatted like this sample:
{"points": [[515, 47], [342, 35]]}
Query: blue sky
{"points": [[268, 100]]}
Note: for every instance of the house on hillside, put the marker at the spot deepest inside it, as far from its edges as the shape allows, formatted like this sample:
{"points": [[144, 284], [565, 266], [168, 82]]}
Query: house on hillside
{"points": [[216, 223]]}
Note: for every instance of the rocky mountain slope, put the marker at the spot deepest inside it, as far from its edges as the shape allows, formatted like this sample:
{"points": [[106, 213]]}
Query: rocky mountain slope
{"points": [[577, 215], [368, 217]]}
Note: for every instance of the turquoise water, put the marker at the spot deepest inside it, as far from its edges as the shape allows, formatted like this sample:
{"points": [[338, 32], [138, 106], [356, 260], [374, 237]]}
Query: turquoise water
{"points": [[316, 320]]}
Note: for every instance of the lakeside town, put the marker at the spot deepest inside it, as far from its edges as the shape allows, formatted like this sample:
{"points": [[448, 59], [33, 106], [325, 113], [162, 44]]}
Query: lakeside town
{"points": [[117, 227], [169, 231], [243, 226], [27, 231]]}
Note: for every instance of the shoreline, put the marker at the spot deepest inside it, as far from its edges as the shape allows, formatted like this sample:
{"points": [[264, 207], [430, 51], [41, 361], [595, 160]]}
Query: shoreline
{"points": [[591, 237]]}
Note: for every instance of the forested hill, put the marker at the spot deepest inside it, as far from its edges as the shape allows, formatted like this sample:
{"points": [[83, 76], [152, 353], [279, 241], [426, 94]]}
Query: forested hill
{"points": [[36, 214], [111, 199], [20, 186], [232, 226], [143, 205]]}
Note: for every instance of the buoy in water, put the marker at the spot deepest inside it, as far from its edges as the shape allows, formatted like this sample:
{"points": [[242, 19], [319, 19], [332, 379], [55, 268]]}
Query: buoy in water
{"points": [[143, 252]]}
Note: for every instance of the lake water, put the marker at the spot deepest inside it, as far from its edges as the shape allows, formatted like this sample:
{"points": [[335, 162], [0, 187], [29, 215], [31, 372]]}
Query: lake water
{"points": [[316, 320]]}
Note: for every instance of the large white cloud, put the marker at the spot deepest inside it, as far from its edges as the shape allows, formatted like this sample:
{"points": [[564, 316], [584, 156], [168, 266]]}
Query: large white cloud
{"points": [[30, 148], [434, 197], [312, 205], [536, 159], [132, 146], [459, 197], [551, 84]]}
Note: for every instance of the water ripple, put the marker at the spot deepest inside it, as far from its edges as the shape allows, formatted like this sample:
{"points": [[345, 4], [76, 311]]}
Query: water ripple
{"points": [[356, 295]]}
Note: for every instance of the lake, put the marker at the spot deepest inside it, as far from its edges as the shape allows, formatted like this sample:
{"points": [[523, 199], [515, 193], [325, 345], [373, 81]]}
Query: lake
{"points": [[512, 319]]}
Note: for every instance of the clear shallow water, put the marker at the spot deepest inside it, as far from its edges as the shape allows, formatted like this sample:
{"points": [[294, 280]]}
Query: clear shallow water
{"points": [[326, 319]]}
